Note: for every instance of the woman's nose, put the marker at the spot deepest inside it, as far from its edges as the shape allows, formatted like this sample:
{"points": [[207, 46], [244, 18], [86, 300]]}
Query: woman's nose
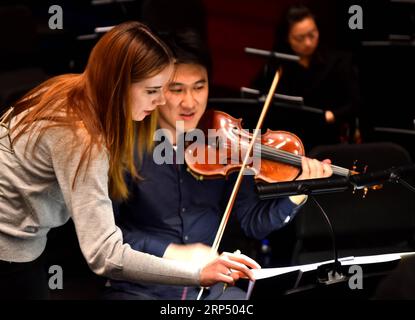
{"points": [[161, 100]]}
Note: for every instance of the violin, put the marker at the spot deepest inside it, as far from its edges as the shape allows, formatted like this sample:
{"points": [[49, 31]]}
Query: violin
{"points": [[279, 152]]}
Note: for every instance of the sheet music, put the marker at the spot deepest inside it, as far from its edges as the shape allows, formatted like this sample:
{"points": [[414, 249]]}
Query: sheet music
{"points": [[272, 272], [250, 288]]}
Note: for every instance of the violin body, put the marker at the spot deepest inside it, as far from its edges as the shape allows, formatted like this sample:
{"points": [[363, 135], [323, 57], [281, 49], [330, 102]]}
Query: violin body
{"points": [[272, 159]]}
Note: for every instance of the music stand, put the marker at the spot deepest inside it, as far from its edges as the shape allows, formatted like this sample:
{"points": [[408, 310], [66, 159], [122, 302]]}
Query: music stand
{"points": [[307, 281]]}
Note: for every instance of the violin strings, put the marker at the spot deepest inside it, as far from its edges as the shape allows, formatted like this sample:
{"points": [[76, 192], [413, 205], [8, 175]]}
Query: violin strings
{"points": [[288, 157], [271, 152], [275, 154], [291, 158], [296, 160]]}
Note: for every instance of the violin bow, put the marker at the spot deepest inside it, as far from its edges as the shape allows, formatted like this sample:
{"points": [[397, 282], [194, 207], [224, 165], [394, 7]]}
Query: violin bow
{"points": [[235, 190]]}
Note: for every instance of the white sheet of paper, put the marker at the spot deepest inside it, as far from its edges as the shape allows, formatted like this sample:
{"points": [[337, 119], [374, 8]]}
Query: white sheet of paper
{"points": [[272, 272]]}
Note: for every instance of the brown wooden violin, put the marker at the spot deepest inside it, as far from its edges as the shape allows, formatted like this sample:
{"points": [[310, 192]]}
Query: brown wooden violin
{"points": [[279, 152]]}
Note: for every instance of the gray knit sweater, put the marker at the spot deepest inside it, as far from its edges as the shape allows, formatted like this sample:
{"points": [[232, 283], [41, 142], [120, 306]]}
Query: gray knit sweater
{"points": [[36, 194]]}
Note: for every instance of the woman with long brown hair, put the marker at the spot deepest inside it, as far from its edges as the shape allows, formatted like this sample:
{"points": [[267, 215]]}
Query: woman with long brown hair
{"points": [[64, 150]]}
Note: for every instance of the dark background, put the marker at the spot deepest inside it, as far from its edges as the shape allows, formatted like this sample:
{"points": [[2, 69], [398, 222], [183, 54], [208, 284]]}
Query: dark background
{"points": [[31, 52]]}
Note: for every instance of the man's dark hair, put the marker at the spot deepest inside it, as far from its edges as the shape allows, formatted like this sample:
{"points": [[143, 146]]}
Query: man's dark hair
{"points": [[188, 47]]}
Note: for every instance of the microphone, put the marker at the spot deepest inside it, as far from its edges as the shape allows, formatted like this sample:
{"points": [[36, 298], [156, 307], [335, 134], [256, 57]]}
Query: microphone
{"points": [[296, 187], [392, 175], [333, 184]]}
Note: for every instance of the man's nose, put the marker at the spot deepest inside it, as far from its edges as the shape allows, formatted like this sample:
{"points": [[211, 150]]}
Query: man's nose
{"points": [[188, 100]]}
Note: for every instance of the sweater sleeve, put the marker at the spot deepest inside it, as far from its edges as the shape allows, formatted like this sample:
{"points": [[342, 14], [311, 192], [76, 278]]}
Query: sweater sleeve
{"points": [[90, 207], [258, 218]]}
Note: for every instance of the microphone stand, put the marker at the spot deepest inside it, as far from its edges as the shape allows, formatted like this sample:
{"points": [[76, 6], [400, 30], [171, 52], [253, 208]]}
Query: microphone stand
{"points": [[330, 272], [326, 273]]}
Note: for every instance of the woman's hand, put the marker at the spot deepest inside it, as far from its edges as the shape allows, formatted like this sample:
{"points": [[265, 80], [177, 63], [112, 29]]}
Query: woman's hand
{"points": [[312, 169], [227, 268]]}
